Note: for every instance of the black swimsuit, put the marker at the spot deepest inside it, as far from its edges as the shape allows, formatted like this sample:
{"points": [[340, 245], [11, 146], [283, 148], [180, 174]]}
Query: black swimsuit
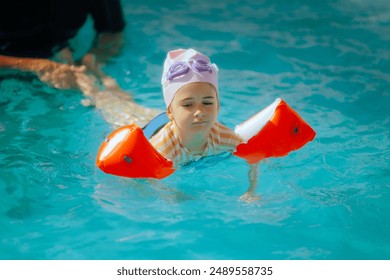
{"points": [[41, 28]]}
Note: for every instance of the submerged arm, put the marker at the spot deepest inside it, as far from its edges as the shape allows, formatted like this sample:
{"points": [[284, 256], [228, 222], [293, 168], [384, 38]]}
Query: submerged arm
{"points": [[253, 176]]}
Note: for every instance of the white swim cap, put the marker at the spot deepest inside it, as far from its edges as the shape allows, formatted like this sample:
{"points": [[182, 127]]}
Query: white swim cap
{"points": [[182, 67]]}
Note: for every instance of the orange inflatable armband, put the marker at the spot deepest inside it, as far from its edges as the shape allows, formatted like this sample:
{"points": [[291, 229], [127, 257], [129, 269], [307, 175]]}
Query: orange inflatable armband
{"points": [[126, 152], [273, 132]]}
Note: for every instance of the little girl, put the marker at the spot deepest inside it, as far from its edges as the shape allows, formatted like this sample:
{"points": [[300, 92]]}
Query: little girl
{"points": [[190, 89]]}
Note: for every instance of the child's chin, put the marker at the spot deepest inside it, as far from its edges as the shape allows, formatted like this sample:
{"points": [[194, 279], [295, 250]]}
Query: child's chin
{"points": [[201, 125]]}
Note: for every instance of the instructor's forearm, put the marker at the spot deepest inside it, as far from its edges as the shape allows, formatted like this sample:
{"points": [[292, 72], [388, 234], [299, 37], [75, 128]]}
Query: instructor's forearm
{"points": [[21, 63]]}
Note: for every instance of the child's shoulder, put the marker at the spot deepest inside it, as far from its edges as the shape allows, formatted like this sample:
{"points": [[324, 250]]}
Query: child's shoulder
{"points": [[222, 128], [226, 135], [166, 133]]}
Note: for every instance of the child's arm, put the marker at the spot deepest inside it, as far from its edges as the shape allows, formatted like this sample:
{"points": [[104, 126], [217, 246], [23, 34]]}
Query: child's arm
{"points": [[253, 176]]}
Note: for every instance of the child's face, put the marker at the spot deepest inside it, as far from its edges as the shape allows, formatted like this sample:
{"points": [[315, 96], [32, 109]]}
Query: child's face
{"points": [[195, 108]]}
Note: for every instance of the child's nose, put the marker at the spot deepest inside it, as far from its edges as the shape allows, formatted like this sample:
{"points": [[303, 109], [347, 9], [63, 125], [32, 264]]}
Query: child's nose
{"points": [[199, 113]]}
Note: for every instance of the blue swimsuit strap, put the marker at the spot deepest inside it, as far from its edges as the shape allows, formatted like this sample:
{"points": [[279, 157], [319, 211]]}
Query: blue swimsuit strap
{"points": [[155, 125]]}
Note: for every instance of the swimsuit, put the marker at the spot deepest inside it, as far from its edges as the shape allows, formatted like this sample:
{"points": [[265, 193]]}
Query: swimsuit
{"points": [[41, 28], [167, 143]]}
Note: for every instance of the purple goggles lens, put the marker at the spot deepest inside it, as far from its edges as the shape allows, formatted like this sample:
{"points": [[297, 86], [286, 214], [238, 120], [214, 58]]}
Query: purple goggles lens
{"points": [[180, 68]]}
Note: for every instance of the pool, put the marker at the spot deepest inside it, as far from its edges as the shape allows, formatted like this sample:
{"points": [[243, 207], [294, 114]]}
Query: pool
{"points": [[330, 200]]}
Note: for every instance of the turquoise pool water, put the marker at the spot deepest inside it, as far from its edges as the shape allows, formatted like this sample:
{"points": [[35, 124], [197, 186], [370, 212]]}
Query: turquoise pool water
{"points": [[329, 60]]}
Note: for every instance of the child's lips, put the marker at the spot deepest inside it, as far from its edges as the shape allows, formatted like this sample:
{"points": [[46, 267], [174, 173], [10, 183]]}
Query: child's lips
{"points": [[199, 123]]}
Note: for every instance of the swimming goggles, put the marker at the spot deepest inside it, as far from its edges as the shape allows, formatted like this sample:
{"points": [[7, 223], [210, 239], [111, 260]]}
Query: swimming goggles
{"points": [[180, 68]]}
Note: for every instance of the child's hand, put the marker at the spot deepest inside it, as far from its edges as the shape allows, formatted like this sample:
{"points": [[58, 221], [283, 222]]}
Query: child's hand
{"points": [[249, 197]]}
